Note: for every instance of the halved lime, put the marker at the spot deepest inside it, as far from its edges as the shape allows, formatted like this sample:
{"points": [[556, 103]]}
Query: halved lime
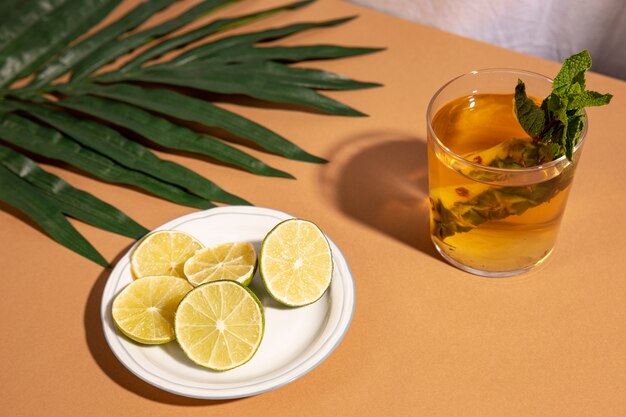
{"points": [[220, 325], [163, 253], [144, 310], [296, 262], [234, 261]]}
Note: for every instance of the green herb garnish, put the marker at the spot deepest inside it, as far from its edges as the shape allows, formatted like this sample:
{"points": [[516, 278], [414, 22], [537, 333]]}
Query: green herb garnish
{"points": [[557, 125]]}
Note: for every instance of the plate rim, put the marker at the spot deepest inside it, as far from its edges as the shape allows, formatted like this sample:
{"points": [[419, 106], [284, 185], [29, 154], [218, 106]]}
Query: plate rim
{"points": [[307, 364]]}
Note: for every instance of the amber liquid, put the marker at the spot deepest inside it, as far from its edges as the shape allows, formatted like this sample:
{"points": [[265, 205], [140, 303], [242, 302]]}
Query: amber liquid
{"points": [[509, 245]]}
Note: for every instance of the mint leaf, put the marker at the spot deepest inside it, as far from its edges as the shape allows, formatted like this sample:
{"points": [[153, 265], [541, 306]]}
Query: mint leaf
{"points": [[573, 70], [575, 90], [549, 152], [557, 107], [530, 116], [558, 124], [575, 129], [580, 80], [589, 99], [557, 113]]}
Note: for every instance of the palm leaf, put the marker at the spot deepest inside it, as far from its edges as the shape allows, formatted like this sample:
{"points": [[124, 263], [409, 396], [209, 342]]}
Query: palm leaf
{"points": [[283, 74], [226, 43], [49, 35], [77, 53], [132, 155], [225, 80], [43, 118], [71, 201], [20, 15], [247, 53], [114, 50], [195, 110], [209, 29], [52, 144], [45, 211], [161, 131]]}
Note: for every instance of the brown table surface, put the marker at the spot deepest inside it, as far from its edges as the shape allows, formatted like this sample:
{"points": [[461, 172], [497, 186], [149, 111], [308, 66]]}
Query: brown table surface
{"points": [[426, 339]]}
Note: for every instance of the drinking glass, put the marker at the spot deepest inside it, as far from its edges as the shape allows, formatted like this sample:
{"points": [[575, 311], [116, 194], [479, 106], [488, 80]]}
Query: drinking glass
{"points": [[488, 217]]}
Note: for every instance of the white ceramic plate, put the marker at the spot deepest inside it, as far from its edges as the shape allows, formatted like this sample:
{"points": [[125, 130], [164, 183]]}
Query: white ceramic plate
{"points": [[295, 341]]}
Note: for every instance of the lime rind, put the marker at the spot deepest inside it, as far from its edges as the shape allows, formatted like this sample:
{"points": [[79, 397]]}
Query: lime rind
{"points": [[197, 276], [155, 308], [175, 270], [201, 288], [266, 279]]}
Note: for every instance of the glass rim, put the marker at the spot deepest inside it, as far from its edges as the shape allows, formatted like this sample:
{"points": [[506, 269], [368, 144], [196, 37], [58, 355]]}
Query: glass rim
{"points": [[496, 170]]}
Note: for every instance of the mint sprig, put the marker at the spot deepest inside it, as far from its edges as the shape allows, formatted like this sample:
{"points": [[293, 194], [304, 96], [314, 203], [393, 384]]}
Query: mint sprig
{"points": [[557, 125]]}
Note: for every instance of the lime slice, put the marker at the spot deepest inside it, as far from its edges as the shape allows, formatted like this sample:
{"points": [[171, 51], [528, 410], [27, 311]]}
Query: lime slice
{"points": [[296, 263], [144, 310], [163, 253], [220, 324], [233, 261]]}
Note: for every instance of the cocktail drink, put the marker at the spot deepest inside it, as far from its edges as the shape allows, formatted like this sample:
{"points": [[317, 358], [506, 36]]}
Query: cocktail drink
{"points": [[496, 204]]}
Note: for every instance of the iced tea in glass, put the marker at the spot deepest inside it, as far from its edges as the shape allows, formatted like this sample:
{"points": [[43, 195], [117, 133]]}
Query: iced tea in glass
{"points": [[490, 215]]}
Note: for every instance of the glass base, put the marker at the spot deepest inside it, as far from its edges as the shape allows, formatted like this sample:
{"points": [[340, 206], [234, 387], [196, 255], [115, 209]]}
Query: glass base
{"points": [[491, 274]]}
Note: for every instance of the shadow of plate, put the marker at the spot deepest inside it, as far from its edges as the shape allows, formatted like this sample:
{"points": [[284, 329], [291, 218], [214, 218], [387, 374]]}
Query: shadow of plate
{"points": [[111, 366]]}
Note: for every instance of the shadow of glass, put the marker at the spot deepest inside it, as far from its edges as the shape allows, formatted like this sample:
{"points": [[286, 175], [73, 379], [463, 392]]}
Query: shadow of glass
{"points": [[381, 180], [111, 366]]}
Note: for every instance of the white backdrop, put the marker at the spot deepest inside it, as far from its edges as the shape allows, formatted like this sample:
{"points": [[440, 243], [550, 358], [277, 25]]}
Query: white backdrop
{"points": [[553, 29]]}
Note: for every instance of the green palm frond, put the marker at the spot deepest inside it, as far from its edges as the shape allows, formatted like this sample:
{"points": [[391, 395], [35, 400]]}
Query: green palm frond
{"points": [[43, 117]]}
